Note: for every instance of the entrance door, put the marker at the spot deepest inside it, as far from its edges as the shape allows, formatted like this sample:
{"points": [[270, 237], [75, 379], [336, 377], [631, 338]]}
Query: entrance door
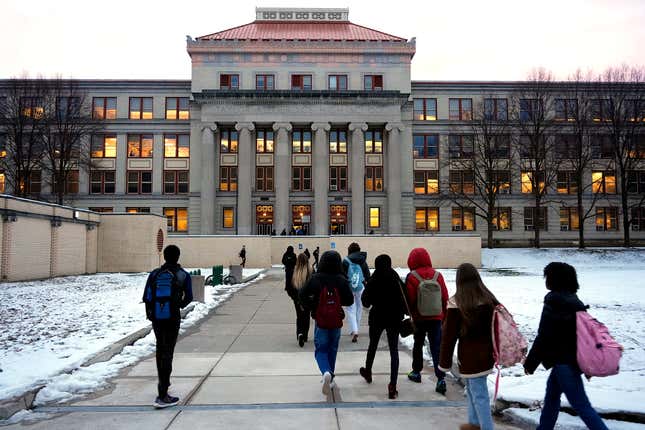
{"points": [[301, 219], [264, 220], [337, 219]]}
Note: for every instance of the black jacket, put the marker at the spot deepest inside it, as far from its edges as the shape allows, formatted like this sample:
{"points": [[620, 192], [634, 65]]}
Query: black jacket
{"points": [[328, 275], [289, 261], [383, 293], [555, 342], [183, 283], [359, 258]]}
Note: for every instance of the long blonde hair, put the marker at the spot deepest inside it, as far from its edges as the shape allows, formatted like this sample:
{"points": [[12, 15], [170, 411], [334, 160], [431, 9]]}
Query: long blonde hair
{"points": [[302, 272]]}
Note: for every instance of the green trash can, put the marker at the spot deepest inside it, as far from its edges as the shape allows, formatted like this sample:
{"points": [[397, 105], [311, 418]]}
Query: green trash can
{"points": [[218, 274]]}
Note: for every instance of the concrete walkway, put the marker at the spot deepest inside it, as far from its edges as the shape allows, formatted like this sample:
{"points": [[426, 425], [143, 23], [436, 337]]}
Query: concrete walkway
{"points": [[242, 368]]}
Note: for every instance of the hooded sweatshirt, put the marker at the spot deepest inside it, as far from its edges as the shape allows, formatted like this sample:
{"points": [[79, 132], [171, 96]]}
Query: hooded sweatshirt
{"points": [[329, 274], [419, 261], [384, 293], [289, 260], [359, 258]]}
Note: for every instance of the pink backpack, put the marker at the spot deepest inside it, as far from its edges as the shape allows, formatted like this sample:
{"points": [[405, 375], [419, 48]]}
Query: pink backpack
{"points": [[509, 346], [598, 353]]}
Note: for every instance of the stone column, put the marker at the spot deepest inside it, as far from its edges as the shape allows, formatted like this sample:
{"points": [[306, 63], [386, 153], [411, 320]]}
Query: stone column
{"points": [[245, 214], [357, 169], [208, 186], [321, 177], [282, 176], [394, 151]]}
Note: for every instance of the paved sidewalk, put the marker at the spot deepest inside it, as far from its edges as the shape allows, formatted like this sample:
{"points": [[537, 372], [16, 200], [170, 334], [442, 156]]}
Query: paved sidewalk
{"points": [[241, 368]]}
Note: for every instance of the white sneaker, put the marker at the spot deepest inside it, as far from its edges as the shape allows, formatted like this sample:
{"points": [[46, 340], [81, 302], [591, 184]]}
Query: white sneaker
{"points": [[326, 386]]}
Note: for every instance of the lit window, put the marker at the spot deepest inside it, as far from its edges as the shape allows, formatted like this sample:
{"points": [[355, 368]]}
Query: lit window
{"points": [[301, 141], [228, 141], [139, 145], [373, 142], [462, 181], [463, 219], [374, 178], [502, 219], [177, 108], [426, 181], [566, 183], [264, 141], [176, 145], [603, 182], [606, 219], [529, 182], [569, 219], [337, 142], [32, 107], [375, 217], [104, 108], [425, 109], [3, 145], [228, 179], [427, 219], [177, 219], [228, 218], [566, 109], [103, 146], [2, 182], [140, 107], [137, 210]]}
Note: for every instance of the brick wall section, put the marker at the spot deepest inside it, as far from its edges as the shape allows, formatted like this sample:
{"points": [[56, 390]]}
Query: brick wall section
{"points": [[91, 250], [29, 250], [69, 254]]}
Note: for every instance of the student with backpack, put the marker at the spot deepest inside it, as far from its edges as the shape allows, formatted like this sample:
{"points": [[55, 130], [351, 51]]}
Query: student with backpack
{"points": [[356, 270], [168, 288], [469, 320], [384, 294], [289, 261], [555, 348], [428, 298], [324, 295], [301, 275]]}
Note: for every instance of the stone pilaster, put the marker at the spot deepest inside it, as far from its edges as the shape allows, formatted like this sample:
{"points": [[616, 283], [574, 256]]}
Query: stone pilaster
{"points": [[394, 176], [282, 175], [208, 186], [321, 177], [245, 214], [357, 169]]}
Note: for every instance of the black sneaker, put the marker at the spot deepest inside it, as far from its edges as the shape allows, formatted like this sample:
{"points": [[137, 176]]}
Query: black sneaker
{"points": [[165, 402], [366, 374], [301, 340], [414, 376], [441, 387]]}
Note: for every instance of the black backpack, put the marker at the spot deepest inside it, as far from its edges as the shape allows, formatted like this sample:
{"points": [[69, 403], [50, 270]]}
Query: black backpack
{"points": [[163, 294]]}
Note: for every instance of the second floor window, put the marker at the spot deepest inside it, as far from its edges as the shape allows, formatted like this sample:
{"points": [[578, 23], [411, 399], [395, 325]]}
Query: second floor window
{"points": [[606, 219], [566, 146], [500, 146], [535, 219], [460, 146], [337, 82], [32, 107], [229, 82], [496, 109], [139, 145], [374, 178], [502, 219], [530, 181], [460, 109], [338, 178], [373, 142], [462, 181], [502, 180], [425, 109], [71, 184], [176, 145], [102, 182], [104, 108], [301, 141], [603, 182], [636, 181], [140, 107], [566, 182], [264, 141], [463, 219], [139, 182], [175, 182], [337, 142], [264, 82], [601, 147], [177, 108], [228, 141], [426, 181], [228, 178], [426, 219], [569, 219], [301, 82], [264, 178], [566, 109], [373, 82], [103, 146], [426, 146], [301, 179]]}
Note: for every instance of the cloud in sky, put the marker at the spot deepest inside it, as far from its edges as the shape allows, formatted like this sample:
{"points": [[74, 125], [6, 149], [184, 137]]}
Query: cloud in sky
{"points": [[456, 40]]}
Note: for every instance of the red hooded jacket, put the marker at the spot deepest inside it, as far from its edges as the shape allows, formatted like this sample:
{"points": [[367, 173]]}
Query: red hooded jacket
{"points": [[419, 260]]}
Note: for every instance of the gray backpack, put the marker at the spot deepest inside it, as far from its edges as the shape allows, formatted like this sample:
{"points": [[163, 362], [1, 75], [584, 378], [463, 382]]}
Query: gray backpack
{"points": [[429, 302]]}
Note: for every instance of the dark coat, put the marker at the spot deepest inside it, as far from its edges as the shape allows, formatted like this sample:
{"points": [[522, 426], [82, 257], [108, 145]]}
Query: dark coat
{"points": [[329, 274], [359, 258], [555, 342], [419, 261], [289, 260], [384, 293]]}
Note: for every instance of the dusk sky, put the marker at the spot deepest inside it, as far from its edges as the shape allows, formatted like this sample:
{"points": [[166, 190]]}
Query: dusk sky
{"points": [[456, 40]]}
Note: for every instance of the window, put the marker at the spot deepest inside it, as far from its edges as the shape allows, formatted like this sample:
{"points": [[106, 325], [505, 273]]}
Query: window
{"points": [[139, 182], [301, 141], [502, 180], [103, 146], [463, 219], [137, 210], [337, 142], [426, 146], [460, 109], [460, 146], [566, 109], [229, 82], [569, 219], [264, 142], [603, 182], [32, 107], [102, 209], [529, 109], [601, 147], [71, 184], [140, 107], [102, 181], [139, 145], [532, 221], [175, 182], [502, 219], [495, 109], [264, 219], [373, 82], [301, 82], [264, 82], [264, 178], [301, 179], [638, 219], [606, 219], [337, 82], [426, 181], [3, 145], [529, 180], [636, 181], [68, 107], [636, 147], [635, 110], [501, 146], [566, 146], [3, 182], [176, 145], [566, 182], [462, 181], [177, 219], [373, 142], [228, 141], [374, 178], [425, 109], [177, 108], [532, 147], [228, 217], [375, 217], [338, 178], [104, 108], [228, 179], [426, 219], [601, 110], [33, 184]]}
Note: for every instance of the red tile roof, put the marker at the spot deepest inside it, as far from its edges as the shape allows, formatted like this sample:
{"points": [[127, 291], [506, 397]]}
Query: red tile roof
{"points": [[290, 30]]}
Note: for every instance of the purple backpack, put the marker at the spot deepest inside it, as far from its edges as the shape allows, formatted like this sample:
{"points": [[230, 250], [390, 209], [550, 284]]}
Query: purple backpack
{"points": [[598, 353]]}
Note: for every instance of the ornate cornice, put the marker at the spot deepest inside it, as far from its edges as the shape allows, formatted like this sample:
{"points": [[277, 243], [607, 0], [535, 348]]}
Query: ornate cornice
{"points": [[291, 97], [239, 126]]}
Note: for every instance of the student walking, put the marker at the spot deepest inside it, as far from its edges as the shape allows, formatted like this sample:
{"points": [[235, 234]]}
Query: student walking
{"points": [[356, 270], [289, 261], [428, 298], [324, 295], [468, 320], [242, 255], [168, 288], [384, 294], [301, 275], [555, 348], [316, 255]]}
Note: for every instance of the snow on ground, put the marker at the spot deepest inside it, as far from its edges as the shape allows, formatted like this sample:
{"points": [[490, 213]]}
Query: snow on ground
{"points": [[611, 283], [565, 421], [53, 326]]}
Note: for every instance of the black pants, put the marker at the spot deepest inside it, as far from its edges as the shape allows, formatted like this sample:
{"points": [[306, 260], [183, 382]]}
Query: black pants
{"points": [[392, 343], [166, 333], [432, 330], [302, 320]]}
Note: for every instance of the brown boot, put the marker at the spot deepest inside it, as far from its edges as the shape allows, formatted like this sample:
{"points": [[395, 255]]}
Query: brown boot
{"points": [[468, 427], [391, 391]]}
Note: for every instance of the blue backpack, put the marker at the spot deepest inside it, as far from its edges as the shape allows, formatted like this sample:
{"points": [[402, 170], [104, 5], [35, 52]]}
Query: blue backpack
{"points": [[355, 275], [163, 294]]}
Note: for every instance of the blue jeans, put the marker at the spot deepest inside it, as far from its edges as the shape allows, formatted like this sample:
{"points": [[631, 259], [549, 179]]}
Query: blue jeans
{"points": [[567, 379], [479, 403], [326, 347]]}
